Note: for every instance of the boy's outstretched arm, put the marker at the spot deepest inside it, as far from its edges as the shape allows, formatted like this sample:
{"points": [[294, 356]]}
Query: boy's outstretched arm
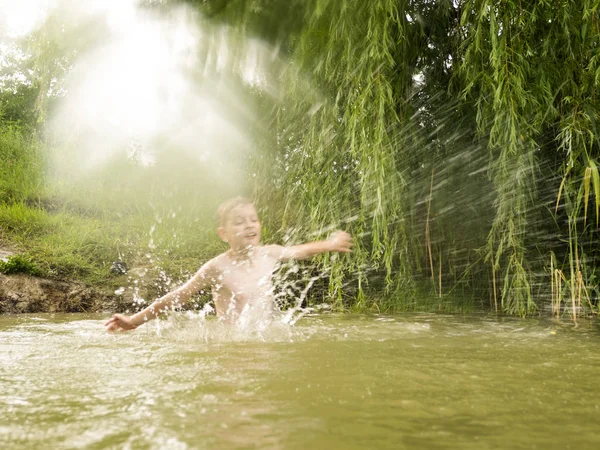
{"points": [[201, 280], [340, 241]]}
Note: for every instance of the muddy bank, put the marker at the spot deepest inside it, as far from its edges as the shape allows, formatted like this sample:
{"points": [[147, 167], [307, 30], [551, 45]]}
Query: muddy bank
{"points": [[26, 294], [23, 293]]}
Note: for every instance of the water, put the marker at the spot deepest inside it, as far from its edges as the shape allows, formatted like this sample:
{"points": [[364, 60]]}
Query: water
{"points": [[349, 382]]}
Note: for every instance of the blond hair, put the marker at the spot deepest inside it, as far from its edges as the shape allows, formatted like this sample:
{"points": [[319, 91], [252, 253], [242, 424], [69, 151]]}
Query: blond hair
{"points": [[225, 208]]}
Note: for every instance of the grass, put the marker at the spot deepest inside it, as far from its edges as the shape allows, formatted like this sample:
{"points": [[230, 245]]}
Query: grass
{"points": [[72, 229], [21, 165], [18, 264], [64, 244]]}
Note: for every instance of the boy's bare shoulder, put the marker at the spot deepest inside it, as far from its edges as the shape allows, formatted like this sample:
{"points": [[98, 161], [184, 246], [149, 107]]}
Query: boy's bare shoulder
{"points": [[217, 263]]}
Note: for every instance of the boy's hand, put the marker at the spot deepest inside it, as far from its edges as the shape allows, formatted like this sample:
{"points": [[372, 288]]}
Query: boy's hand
{"points": [[340, 241], [119, 322]]}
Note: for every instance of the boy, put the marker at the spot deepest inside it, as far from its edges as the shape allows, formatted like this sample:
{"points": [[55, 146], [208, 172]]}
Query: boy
{"points": [[240, 278]]}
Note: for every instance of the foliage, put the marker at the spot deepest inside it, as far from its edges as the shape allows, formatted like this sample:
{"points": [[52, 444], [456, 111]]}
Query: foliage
{"points": [[538, 95], [21, 165], [18, 264], [78, 230], [404, 87]]}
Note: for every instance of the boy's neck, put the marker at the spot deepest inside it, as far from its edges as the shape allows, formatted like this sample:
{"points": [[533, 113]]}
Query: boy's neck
{"points": [[241, 254]]}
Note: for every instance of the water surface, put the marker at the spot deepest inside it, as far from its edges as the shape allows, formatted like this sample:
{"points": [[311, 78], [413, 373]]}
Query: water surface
{"points": [[347, 382]]}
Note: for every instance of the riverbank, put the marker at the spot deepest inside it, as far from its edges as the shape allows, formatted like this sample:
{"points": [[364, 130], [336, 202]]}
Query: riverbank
{"points": [[21, 293]]}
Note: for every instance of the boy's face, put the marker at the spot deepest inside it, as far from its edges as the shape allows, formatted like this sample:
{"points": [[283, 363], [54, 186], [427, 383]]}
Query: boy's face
{"points": [[242, 228]]}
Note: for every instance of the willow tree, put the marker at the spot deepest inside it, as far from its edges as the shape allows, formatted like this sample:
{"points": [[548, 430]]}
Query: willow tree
{"points": [[365, 116], [354, 128], [386, 96], [532, 72]]}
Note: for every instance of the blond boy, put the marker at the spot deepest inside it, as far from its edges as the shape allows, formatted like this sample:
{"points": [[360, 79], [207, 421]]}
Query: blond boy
{"points": [[241, 277]]}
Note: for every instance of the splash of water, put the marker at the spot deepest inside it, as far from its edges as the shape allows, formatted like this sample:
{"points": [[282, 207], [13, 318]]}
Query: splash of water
{"points": [[155, 84]]}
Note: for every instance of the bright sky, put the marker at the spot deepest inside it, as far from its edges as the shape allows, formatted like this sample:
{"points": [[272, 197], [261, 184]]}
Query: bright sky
{"points": [[20, 17], [141, 80]]}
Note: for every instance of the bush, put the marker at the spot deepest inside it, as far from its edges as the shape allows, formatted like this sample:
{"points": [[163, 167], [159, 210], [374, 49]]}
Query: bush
{"points": [[18, 264]]}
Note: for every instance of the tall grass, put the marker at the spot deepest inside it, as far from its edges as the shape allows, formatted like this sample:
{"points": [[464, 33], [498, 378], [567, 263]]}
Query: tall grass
{"points": [[21, 165], [75, 228]]}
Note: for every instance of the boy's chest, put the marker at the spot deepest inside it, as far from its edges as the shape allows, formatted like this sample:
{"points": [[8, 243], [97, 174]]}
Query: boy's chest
{"points": [[249, 277]]}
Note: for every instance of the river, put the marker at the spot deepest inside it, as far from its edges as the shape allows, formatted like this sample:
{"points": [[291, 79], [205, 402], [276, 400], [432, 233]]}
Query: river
{"points": [[329, 382]]}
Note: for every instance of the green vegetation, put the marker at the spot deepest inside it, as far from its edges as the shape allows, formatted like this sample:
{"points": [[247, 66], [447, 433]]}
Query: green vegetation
{"points": [[456, 140], [18, 264], [72, 230], [461, 136]]}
